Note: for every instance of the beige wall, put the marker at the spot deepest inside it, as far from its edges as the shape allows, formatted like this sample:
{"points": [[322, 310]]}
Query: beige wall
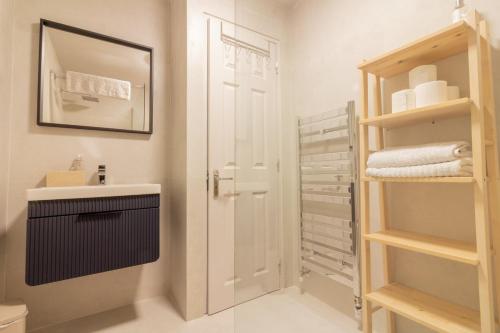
{"points": [[6, 11], [177, 141], [36, 150], [328, 39]]}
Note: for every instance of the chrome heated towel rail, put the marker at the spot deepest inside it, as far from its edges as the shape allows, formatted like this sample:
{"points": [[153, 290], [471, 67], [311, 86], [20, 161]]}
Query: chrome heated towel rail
{"points": [[328, 189]]}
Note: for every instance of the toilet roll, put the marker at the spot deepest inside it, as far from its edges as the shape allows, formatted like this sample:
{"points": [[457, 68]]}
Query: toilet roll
{"points": [[453, 92], [422, 74], [431, 93], [403, 100]]}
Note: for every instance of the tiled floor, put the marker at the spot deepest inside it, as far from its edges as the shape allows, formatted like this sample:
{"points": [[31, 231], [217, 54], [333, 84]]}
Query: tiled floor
{"points": [[287, 311]]}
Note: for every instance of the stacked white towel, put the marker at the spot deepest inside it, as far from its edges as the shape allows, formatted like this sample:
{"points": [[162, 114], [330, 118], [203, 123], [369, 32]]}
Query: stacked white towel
{"points": [[433, 160]]}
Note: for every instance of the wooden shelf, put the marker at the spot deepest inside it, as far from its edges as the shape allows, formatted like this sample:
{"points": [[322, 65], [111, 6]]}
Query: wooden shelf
{"points": [[435, 246], [427, 310], [461, 180], [444, 43], [448, 109]]}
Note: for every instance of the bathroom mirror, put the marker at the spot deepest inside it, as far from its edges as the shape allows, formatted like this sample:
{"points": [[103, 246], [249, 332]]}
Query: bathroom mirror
{"points": [[88, 80]]}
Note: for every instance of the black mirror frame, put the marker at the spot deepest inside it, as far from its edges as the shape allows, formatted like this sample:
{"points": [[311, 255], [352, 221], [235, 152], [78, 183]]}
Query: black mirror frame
{"points": [[46, 23]]}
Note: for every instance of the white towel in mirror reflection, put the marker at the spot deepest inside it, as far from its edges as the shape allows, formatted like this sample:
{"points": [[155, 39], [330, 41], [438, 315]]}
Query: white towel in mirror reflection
{"points": [[89, 84]]}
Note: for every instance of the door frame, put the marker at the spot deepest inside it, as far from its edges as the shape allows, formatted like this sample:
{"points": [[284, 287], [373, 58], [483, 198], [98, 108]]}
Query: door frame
{"points": [[279, 130]]}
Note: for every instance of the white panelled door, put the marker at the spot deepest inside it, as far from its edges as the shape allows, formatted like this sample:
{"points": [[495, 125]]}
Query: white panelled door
{"points": [[243, 247]]}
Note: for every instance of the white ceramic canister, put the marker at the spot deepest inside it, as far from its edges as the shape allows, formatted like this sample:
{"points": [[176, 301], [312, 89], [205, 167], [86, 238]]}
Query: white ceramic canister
{"points": [[403, 100], [453, 92], [422, 74], [430, 93]]}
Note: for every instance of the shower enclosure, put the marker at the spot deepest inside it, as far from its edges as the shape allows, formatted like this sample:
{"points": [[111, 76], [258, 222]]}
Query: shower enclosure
{"points": [[283, 200], [244, 253]]}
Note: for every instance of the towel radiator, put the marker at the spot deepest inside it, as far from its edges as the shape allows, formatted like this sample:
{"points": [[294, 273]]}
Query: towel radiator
{"points": [[328, 191]]}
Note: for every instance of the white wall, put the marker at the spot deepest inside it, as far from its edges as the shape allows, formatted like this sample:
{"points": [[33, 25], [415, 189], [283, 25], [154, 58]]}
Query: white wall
{"points": [[36, 150], [6, 13], [328, 39]]}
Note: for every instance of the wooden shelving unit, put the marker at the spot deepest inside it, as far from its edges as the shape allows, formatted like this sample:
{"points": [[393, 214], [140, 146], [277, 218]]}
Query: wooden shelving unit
{"points": [[434, 246], [449, 109], [427, 310], [442, 44], [471, 37]]}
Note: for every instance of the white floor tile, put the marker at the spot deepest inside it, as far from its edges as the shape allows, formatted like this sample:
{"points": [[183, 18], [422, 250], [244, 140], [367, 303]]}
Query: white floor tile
{"points": [[285, 311]]}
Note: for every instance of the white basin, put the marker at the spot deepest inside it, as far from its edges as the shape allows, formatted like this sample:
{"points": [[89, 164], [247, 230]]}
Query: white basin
{"points": [[98, 191]]}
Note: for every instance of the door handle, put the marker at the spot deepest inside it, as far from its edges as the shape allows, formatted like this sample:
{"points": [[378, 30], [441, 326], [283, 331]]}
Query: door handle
{"points": [[217, 179]]}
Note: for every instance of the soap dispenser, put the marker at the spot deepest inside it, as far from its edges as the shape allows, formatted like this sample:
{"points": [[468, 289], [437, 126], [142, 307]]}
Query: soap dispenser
{"points": [[460, 12]]}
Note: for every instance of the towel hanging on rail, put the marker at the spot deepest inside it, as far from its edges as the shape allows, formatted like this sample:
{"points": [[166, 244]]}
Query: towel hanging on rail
{"points": [[97, 85]]}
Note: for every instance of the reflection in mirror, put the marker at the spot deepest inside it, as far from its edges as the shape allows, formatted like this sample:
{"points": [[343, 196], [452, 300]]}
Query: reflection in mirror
{"points": [[92, 81]]}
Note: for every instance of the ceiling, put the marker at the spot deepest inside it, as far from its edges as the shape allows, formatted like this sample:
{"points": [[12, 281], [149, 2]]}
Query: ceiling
{"points": [[287, 2]]}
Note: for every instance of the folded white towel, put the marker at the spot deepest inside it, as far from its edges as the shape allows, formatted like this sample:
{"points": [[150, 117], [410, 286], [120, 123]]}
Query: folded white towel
{"points": [[97, 85], [460, 167], [419, 155]]}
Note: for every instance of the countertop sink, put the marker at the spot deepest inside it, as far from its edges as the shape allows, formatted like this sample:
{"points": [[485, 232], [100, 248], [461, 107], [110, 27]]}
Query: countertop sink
{"points": [[98, 191]]}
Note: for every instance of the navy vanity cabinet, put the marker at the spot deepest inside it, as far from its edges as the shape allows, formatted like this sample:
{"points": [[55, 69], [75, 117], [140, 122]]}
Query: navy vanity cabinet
{"points": [[77, 237]]}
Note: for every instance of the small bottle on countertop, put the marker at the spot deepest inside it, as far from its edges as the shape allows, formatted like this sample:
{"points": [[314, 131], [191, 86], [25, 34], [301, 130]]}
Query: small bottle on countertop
{"points": [[77, 163], [460, 12], [101, 174]]}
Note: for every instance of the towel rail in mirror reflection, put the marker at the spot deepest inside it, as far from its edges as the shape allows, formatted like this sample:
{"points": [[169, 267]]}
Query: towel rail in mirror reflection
{"points": [[63, 77]]}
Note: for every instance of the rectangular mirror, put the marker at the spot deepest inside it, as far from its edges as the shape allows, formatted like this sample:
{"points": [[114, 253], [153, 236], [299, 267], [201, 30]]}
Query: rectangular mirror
{"points": [[91, 81]]}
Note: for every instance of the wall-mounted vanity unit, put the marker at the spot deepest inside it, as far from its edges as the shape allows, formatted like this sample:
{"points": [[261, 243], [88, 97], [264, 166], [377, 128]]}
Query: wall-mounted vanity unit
{"points": [[82, 230]]}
